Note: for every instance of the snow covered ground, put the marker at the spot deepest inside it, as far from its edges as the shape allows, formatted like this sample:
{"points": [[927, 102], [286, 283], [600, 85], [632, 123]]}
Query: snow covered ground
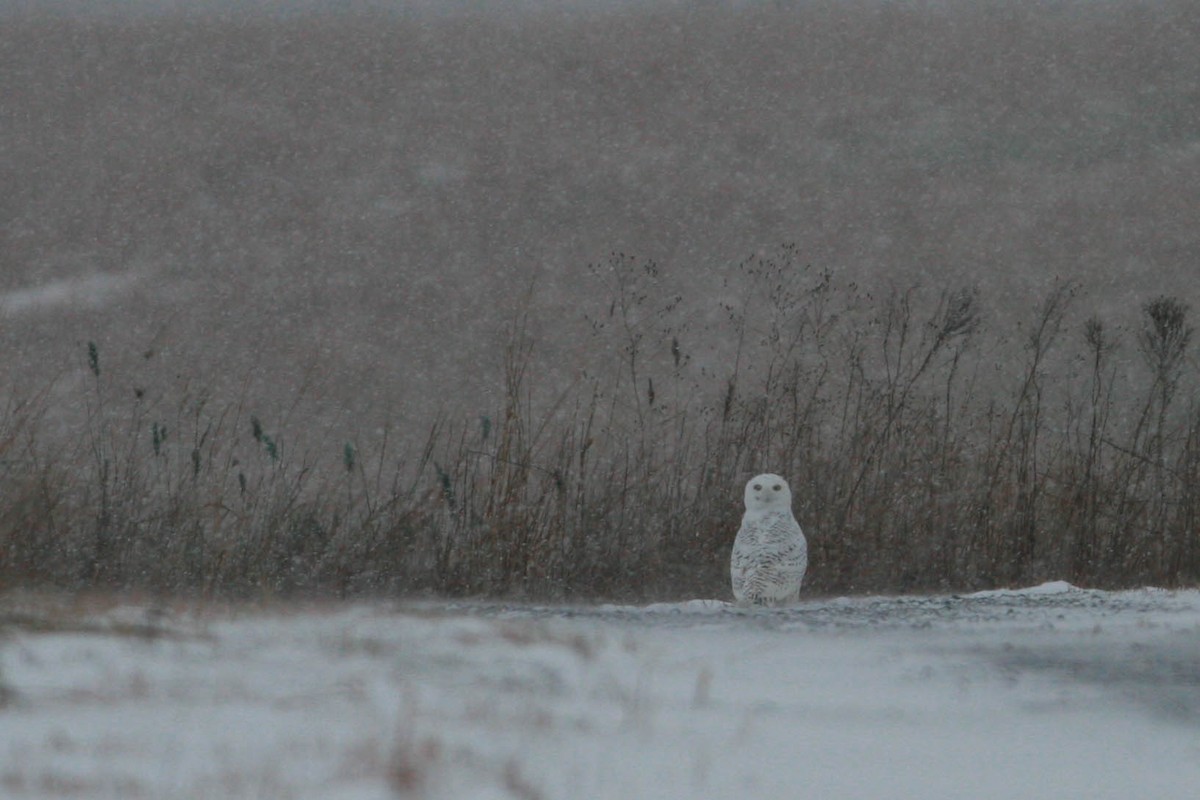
{"points": [[1049, 692]]}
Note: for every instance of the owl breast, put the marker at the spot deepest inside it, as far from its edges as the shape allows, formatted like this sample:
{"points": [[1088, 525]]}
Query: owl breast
{"points": [[770, 556]]}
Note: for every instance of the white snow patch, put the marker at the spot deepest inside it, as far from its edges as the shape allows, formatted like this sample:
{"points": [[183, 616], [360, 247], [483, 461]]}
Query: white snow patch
{"points": [[1050, 587], [686, 607], [89, 291], [1046, 694]]}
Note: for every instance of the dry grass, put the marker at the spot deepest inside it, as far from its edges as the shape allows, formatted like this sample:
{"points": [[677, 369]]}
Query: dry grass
{"points": [[361, 342], [916, 463]]}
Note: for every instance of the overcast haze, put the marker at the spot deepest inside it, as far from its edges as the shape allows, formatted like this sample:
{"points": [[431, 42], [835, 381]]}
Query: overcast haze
{"points": [[507, 300], [368, 194], [855, 242]]}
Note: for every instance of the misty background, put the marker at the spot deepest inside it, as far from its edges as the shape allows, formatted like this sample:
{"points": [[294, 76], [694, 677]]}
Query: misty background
{"points": [[354, 201], [340, 217]]}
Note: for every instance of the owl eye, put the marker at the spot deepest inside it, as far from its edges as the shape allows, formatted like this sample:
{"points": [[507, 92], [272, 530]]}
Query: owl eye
{"points": [[758, 487], [777, 487]]}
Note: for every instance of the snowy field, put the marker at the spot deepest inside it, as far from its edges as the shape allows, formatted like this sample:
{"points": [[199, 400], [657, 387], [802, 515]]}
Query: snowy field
{"points": [[1049, 692]]}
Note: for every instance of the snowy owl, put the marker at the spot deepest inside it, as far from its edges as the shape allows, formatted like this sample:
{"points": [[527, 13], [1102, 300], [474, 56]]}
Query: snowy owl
{"points": [[770, 553]]}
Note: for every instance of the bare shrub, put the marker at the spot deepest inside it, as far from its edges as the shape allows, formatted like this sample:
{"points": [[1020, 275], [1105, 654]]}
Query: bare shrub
{"points": [[349, 207], [910, 470]]}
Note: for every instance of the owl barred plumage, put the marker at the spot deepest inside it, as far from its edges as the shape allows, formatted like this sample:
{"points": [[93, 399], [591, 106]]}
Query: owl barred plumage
{"points": [[770, 553]]}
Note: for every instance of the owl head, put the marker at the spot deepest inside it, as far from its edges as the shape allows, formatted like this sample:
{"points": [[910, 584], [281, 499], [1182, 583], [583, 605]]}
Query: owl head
{"points": [[767, 492]]}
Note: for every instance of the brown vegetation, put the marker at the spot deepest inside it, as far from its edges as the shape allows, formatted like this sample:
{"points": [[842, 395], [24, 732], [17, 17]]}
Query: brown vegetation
{"points": [[351, 342], [908, 474]]}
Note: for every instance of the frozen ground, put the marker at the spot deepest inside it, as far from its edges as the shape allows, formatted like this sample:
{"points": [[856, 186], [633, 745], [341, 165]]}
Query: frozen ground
{"points": [[1049, 692]]}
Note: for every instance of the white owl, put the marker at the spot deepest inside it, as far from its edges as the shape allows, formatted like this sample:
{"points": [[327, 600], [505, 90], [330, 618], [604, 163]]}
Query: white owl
{"points": [[770, 553]]}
